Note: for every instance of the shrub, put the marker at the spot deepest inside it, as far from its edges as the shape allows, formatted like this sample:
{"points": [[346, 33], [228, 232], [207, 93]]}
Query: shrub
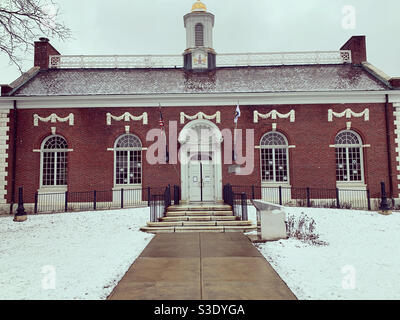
{"points": [[303, 229]]}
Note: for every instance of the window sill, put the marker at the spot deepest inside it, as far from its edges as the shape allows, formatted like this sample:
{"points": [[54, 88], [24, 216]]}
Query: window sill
{"points": [[275, 185], [56, 189], [127, 187], [351, 185]]}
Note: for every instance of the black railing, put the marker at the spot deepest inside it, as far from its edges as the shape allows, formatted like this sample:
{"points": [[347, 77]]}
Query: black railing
{"points": [[309, 197], [177, 195], [94, 200], [159, 204], [238, 202]]}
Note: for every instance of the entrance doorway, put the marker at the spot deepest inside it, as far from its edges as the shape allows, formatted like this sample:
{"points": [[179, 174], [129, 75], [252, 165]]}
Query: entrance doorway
{"points": [[200, 158]]}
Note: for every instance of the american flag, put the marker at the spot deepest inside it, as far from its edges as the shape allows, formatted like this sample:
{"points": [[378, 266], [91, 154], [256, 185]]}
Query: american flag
{"points": [[161, 122]]}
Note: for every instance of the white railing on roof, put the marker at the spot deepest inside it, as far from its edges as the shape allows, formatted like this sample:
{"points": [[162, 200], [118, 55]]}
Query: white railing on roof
{"points": [[223, 60]]}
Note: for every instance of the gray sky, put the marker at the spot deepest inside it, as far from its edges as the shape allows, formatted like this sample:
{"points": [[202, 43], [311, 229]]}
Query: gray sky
{"points": [[156, 27]]}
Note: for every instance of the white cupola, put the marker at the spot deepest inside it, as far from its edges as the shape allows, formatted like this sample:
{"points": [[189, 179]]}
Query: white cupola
{"points": [[199, 54]]}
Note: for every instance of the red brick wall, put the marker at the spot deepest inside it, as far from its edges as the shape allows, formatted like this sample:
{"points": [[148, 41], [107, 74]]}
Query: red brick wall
{"points": [[312, 161]]}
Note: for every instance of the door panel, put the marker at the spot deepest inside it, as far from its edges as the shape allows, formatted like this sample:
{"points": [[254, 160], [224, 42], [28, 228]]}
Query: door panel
{"points": [[208, 181], [194, 181], [201, 181]]}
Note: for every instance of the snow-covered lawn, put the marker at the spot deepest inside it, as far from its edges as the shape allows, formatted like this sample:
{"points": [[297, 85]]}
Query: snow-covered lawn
{"points": [[79, 255], [361, 260]]}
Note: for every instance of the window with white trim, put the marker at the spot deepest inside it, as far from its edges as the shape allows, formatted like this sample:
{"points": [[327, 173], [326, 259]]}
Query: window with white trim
{"points": [[128, 160], [349, 157], [199, 35], [54, 161], [274, 158]]}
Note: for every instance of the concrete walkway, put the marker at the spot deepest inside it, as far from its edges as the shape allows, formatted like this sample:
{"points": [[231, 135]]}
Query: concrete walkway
{"points": [[201, 266]]}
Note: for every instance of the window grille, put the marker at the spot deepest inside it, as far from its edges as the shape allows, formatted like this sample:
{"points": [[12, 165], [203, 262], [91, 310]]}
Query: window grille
{"points": [[274, 158], [349, 164], [128, 160], [54, 161]]}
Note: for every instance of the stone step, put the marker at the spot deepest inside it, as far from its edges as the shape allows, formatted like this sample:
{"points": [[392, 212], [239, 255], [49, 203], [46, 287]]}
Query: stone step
{"points": [[198, 229], [199, 208], [200, 218], [199, 213], [199, 223]]}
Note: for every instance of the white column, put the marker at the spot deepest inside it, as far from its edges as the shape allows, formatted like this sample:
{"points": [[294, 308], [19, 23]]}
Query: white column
{"points": [[397, 139], [4, 146]]}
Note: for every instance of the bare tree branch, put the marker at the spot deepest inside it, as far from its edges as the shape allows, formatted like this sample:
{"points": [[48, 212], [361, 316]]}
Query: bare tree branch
{"points": [[24, 21]]}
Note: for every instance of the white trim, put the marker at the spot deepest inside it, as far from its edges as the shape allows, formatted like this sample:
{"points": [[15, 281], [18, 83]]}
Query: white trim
{"points": [[200, 115], [54, 189], [348, 113], [127, 117], [351, 185], [217, 156], [347, 146], [274, 114], [286, 147], [53, 118], [55, 163], [209, 99], [115, 149]]}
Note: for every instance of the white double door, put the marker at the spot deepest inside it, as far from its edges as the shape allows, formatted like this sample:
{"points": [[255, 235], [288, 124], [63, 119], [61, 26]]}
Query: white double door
{"points": [[201, 180]]}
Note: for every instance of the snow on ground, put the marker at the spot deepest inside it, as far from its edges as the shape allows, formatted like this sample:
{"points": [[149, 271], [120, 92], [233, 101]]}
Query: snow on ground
{"points": [[361, 260], [80, 255]]}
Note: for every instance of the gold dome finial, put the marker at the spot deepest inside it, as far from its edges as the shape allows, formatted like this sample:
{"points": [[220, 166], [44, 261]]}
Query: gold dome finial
{"points": [[199, 6]]}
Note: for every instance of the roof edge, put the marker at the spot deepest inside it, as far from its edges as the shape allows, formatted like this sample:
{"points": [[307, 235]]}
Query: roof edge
{"points": [[377, 73]]}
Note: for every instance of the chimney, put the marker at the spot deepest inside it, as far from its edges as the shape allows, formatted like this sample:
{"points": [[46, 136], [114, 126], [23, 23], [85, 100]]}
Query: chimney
{"points": [[43, 50], [358, 49], [395, 83], [5, 89]]}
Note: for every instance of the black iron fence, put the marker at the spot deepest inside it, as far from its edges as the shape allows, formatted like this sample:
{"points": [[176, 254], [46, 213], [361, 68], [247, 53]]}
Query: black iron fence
{"points": [[94, 200], [311, 197], [160, 202], [238, 202]]}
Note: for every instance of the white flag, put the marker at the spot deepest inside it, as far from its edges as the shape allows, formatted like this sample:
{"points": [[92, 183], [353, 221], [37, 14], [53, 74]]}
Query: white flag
{"points": [[237, 114]]}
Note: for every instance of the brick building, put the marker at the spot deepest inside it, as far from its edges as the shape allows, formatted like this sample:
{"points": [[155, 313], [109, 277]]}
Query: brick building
{"points": [[312, 119]]}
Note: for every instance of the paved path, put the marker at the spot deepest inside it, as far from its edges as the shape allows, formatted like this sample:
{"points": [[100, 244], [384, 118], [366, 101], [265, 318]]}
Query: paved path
{"points": [[201, 266]]}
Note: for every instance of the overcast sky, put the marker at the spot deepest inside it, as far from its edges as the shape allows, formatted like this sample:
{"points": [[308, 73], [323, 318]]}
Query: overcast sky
{"points": [[156, 27]]}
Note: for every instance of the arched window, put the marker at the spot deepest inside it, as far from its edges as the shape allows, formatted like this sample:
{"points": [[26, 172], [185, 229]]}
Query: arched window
{"points": [[199, 35], [54, 161], [349, 163], [274, 158], [128, 160]]}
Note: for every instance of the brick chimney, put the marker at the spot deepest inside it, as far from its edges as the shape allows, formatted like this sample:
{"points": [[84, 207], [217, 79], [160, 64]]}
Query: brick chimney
{"points": [[395, 83], [358, 49], [43, 49], [5, 89]]}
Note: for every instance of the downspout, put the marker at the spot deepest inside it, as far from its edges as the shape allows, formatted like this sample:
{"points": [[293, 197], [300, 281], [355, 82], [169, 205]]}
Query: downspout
{"points": [[388, 147], [14, 161]]}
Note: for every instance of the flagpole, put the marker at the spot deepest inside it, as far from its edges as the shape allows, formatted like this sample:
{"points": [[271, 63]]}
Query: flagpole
{"points": [[162, 125], [234, 133]]}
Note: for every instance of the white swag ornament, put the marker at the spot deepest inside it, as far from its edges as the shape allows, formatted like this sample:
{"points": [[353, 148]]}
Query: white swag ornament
{"points": [[127, 117], [274, 115], [201, 115], [53, 118], [348, 113]]}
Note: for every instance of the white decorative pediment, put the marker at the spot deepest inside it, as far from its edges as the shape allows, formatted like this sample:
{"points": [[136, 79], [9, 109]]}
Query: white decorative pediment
{"points": [[127, 117], [201, 115], [348, 113], [274, 115], [53, 118]]}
